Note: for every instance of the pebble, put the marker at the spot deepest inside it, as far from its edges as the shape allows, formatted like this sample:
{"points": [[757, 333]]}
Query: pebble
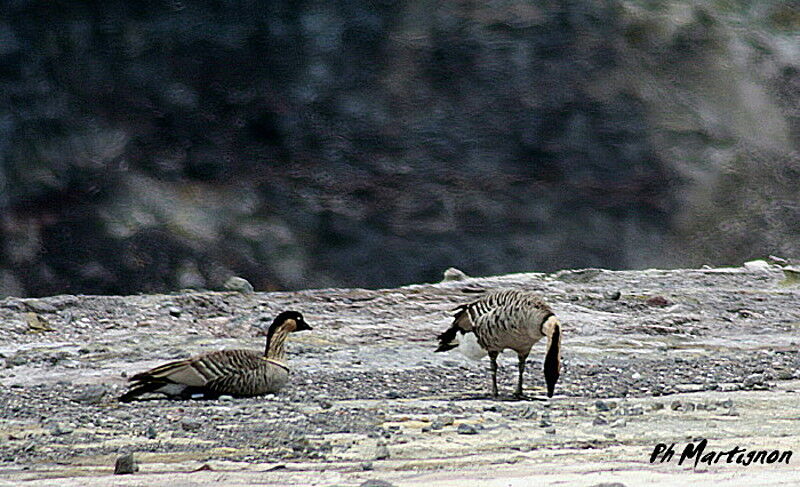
{"points": [[126, 464], [600, 421], [550, 431], [59, 429], [605, 405], [151, 432], [544, 423], [612, 295], [727, 403], [40, 306], [225, 397], [174, 311], [757, 265], [453, 274], [445, 420], [753, 380], [529, 412], [367, 466], [239, 285], [466, 429], [689, 387], [381, 452], [657, 301], [91, 394], [376, 483], [675, 405], [634, 411], [189, 424]]}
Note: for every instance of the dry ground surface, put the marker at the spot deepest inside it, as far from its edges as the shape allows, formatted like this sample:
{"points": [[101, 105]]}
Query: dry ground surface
{"points": [[677, 356]]}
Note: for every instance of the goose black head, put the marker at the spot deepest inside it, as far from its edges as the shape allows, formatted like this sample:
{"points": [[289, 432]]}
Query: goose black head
{"points": [[293, 320], [552, 360]]}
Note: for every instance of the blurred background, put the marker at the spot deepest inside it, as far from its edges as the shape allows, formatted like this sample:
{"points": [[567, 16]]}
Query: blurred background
{"points": [[150, 146]]}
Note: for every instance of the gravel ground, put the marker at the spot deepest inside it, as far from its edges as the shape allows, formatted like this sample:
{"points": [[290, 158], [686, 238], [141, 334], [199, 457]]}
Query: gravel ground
{"points": [[686, 353]]}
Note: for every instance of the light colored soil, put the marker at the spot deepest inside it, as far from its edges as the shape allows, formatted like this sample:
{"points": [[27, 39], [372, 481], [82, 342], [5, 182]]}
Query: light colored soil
{"points": [[719, 361]]}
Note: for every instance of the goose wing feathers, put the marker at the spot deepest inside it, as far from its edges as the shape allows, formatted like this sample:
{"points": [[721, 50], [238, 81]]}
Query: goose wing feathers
{"points": [[205, 369]]}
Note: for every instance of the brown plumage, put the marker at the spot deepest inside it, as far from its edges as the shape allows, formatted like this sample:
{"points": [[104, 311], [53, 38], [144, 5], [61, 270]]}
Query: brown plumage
{"points": [[509, 318], [228, 372]]}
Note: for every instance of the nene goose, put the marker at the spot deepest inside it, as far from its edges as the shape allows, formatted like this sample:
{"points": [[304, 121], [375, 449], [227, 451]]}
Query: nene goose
{"points": [[512, 319], [231, 372]]}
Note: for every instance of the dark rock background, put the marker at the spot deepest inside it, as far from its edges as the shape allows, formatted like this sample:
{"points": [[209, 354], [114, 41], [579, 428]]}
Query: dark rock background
{"points": [[155, 145]]}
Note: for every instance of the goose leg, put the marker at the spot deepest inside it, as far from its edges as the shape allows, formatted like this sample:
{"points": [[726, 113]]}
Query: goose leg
{"points": [[521, 366], [493, 358]]}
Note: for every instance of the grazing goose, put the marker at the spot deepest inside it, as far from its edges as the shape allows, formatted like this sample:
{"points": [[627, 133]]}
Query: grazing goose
{"points": [[503, 319], [232, 372]]}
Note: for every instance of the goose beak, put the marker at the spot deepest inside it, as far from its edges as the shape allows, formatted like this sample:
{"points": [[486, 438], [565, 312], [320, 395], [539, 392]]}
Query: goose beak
{"points": [[552, 361], [302, 325]]}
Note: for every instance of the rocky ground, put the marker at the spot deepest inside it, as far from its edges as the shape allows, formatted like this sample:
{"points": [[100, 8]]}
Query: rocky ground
{"points": [[649, 357]]}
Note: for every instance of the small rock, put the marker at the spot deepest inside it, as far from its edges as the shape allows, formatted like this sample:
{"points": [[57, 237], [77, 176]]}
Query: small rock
{"points": [[426, 429], [367, 466], [189, 424], [36, 323], [381, 452], [151, 432], [466, 429], [784, 374], [529, 412], [545, 423], [445, 419], [635, 411], [59, 429], [605, 405], [376, 483], [39, 306], [600, 421], [727, 403], [239, 285], [174, 311], [676, 405], [225, 397], [620, 423], [657, 406], [578, 275], [612, 295], [757, 265], [773, 259], [657, 301], [689, 387], [753, 380], [550, 431], [453, 274], [636, 376], [126, 464], [91, 394]]}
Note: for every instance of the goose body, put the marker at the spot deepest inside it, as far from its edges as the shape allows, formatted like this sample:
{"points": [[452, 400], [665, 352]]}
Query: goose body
{"points": [[240, 373], [507, 319]]}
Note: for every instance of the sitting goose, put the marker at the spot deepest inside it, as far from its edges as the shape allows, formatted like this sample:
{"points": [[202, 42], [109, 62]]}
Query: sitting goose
{"points": [[507, 318], [233, 372]]}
